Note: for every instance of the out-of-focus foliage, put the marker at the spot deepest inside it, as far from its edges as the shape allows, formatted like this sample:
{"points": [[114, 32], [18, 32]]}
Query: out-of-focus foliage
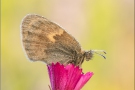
{"points": [[96, 24]]}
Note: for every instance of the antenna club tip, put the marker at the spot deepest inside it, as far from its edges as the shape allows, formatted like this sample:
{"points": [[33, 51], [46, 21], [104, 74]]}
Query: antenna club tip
{"points": [[104, 52]]}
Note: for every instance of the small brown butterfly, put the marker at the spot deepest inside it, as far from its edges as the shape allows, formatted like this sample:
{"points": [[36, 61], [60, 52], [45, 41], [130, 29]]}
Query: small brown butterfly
{"points": [[46, 41]]}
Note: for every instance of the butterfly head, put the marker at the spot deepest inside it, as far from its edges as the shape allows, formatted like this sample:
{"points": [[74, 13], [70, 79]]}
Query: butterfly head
{"points": [[89, 54]]}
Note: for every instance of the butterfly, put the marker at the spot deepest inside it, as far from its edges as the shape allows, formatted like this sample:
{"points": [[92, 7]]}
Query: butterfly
{"points": [[46, 41]]}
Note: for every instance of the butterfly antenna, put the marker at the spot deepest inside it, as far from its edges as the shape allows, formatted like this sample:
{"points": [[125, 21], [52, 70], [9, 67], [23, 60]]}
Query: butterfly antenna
{"points": [[96, 51]]}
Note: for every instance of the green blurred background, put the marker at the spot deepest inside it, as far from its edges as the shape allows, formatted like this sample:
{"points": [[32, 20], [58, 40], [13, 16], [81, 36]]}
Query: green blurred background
{"points": [[97, 24]]}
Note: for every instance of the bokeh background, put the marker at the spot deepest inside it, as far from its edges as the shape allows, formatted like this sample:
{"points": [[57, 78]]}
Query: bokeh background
{"points": [[97, 24]]}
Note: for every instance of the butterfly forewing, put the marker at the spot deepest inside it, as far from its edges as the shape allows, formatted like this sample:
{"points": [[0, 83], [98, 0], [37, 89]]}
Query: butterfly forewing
{"points": [[45, 41]]}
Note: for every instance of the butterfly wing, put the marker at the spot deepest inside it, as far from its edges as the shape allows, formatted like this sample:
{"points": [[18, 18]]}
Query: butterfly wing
{"points": [[45, 41]]}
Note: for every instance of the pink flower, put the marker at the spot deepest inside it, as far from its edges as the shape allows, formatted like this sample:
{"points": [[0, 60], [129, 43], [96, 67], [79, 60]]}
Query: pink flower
{"points": [[67, 77]]}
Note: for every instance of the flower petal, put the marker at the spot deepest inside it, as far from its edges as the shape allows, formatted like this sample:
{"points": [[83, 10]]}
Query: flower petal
{"points": [[83, 80]]}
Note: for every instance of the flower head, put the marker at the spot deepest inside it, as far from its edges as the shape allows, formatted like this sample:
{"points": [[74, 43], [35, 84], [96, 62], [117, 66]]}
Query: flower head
{"points": [[67, 77]]}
